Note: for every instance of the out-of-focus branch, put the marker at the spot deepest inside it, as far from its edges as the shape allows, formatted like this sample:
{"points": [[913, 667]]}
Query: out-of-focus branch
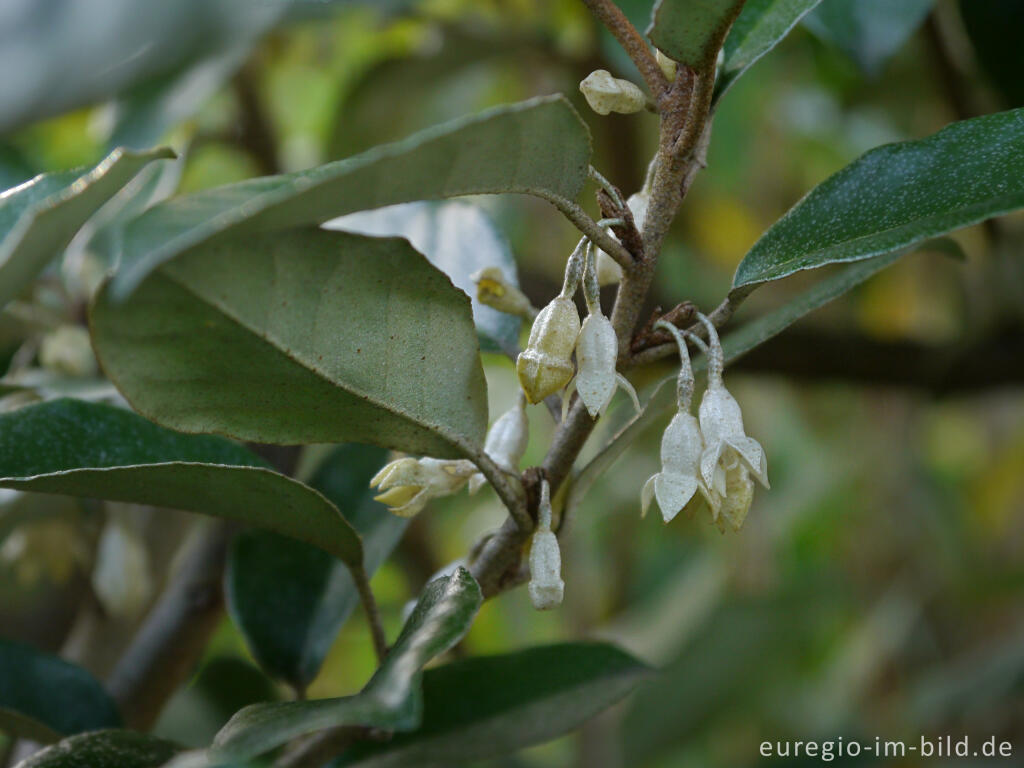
{"points": [[255, 133], [175, 633]]}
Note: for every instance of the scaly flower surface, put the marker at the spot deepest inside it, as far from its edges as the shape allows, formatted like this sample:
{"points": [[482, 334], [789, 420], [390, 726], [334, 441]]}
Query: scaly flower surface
{"points": [[408, 483], [545, 366], [605, 93], [676, 486], [546, 587], [597, 351]]}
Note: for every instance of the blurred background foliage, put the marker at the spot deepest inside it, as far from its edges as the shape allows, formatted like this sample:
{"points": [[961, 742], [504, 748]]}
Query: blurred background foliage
{"points": [[876, 590]]}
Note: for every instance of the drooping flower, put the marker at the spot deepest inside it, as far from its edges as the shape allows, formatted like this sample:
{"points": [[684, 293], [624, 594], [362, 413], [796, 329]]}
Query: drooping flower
{"points": [[546, 587], [676, 486], [605, 94], [721, 423], [506, 441], [408, 483], [545, 366], [597, 351]]}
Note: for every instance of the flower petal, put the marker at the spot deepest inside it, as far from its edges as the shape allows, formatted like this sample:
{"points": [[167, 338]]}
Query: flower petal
{"points": [[752, 455], [673, 493]]}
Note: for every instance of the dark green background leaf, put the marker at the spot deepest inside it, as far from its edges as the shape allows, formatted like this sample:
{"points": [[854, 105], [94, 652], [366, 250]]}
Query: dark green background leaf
{"points": [[39, 218], [49, 697], [538, 147], [301, 336], [488, 706], [692, 31], [994, 27], [91, 449], [895, 196], [390, 700], [458, 238], [868, 31], [104, 749], [290, 599]]}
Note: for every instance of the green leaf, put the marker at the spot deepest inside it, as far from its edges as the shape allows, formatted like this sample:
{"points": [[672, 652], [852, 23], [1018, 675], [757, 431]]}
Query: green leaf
{"points": [[868, 31], [761, 25], [99, 451], [994, 29], [105, 749], [457, 238], [290, 599], [301, 336], [489, 706], [43, 697], [39, 218], [734, 345], [692, 31], [895, 196], [538, 147], [390, 700]]}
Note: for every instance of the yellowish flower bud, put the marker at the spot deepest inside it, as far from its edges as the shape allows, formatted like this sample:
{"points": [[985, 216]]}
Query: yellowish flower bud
{"points": [[605, 94], [545, 366], [494, 290]]}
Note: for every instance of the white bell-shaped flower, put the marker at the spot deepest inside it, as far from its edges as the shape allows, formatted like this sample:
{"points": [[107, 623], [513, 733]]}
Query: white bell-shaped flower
{"points": [[605, 94], [676, 486], [597, 351], [546, 587], [545, 366], [408, 483], [506, 441], [721, 423]]}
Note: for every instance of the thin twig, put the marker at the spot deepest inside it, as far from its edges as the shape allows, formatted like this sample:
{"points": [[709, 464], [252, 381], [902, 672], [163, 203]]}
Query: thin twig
{"points": [[509, 490], [165, 650], [632, 42], [366, 597], [719, 317], [598, 235]]}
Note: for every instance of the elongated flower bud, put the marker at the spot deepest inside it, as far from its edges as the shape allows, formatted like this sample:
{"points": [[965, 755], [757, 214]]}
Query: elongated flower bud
{"points": [[506, 441], [494, 290], [546, 587], [545, 366], [605, 94]]}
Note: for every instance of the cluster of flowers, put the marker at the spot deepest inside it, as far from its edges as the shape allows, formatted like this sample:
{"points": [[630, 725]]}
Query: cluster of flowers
{"points": [[710, 454], [546, 366]]}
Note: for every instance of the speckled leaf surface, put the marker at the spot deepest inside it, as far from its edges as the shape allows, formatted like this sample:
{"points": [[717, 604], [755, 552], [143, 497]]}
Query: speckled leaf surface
{"points": [[868, 31], [538, 147], [391, 700], [105, 749], [290, 599], [40, 217], [458, 238], [761, 25], [43, 697], [483, 707], [693, 31], [895, 196], [301, 336], [99, 451]]}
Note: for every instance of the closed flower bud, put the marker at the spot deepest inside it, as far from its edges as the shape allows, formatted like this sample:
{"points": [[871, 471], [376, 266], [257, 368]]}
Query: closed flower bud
{"points": [[545, 366], [494, 290], [605, 94], [546, 587], [67, 350]]}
